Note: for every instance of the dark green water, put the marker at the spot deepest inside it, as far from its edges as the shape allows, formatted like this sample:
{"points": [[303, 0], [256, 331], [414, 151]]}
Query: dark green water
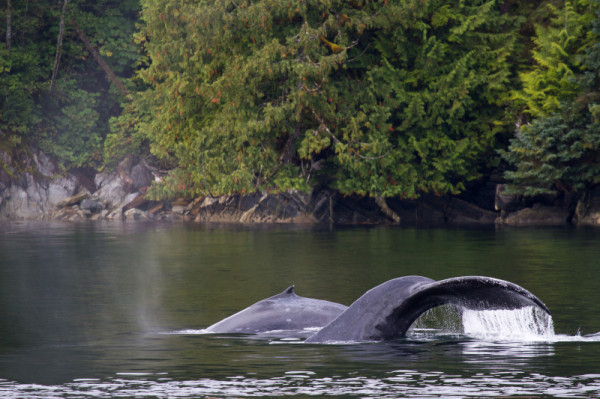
{"points": [[116, 310]]}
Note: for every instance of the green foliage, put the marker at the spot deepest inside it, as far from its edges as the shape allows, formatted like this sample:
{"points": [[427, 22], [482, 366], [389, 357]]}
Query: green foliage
{"points": [[19, 81], [110, 25], [71, 122], [71, 131], [560, 153], [432, 100], [393, 98], [558, 45], [124, 139], [374, 97], [556, 154], [23, 69], [173, 186]]}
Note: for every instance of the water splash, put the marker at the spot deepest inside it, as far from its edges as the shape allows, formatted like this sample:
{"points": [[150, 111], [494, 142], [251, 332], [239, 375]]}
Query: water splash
{"points": [[187, 331], [525, 324]]}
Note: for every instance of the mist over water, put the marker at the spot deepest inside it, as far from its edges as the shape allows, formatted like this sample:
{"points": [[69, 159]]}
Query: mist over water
{"points": [[111, 310]]}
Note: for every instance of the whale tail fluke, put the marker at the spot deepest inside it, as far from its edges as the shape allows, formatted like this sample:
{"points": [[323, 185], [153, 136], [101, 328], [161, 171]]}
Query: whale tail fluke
{"points": [[388, 310]]}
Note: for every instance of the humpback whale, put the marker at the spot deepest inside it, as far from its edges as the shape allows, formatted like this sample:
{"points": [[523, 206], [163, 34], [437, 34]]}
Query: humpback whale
{"points": [[384, 312], [284, 311]]}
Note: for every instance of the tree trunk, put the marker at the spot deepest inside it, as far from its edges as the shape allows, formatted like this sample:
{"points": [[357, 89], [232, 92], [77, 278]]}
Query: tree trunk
{"points": [[24, 22], [61, 32], [111, 75], [288, 150], [8, 25], [380, 201]]}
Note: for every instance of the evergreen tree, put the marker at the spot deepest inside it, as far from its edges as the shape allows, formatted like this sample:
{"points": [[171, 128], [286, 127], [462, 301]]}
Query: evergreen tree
{"points": [[371, 97], [560, 153], [434, 99], [63, 103], [561, 36]]}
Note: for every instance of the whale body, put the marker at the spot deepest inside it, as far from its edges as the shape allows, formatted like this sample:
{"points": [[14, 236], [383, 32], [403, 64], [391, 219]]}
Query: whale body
{"points": [[284, 311], [384, 312]]}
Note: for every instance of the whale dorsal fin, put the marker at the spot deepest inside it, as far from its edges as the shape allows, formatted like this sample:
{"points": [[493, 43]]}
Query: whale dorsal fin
{"points": [[285, 294]]}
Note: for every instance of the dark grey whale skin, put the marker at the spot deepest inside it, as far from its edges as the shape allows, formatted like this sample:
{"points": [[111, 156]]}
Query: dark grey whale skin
{"points": [[284, 311], [384, 312], [388, 310]]}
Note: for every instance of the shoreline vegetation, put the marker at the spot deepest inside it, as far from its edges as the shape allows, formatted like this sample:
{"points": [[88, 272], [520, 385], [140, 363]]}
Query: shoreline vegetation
{"points": [[44, 195], [412, 112]]}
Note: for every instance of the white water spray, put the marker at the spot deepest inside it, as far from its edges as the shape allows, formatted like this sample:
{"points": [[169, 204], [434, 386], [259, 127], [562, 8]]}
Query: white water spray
{"points": [[525, 324]]}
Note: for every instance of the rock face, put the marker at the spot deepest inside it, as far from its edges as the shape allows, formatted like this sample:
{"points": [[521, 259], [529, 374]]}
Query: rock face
{"points": [[504, 201], [587, 212], [141, 177], [537, 215], [291, 207], [91, 205], [39, 191], [34, 191], [330, 207], [74, 200]]}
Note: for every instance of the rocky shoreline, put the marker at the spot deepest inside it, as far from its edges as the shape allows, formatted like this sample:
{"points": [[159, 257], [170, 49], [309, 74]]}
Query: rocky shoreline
{"points": [[39, 192]]}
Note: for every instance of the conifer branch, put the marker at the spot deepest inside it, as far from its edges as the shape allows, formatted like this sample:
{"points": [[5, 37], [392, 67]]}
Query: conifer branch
{"points": [[323, 127]]}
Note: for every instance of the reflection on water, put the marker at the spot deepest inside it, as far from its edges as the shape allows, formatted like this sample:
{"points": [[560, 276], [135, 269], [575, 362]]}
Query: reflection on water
{"points": [[394, 384], [488, 354], [117, 310]]}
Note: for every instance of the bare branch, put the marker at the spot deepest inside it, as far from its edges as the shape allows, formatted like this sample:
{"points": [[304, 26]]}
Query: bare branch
{"points": [[61, 32], [111, 75], [8, 25]]}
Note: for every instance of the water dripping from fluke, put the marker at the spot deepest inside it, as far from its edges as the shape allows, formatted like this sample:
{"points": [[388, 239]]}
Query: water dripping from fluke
{"points": [[527, 324]]}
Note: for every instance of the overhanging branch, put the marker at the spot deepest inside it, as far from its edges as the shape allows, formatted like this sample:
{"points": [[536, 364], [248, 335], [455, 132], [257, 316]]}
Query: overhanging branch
{"points": [[111, 75]]}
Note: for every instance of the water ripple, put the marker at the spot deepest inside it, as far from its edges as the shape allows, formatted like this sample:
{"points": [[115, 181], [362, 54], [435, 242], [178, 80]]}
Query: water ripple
{"points": [[399, 383]]}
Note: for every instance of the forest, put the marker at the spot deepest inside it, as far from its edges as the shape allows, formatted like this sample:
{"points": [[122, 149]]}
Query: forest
{"points": [[381, 98]]}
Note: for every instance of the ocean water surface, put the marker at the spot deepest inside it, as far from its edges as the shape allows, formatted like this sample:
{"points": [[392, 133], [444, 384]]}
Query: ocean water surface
{"points": [[115, 310]]}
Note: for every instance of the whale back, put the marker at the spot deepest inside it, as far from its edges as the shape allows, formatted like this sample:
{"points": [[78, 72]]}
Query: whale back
{"points": [[359, 322], [388, 310], [284, 311]]}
